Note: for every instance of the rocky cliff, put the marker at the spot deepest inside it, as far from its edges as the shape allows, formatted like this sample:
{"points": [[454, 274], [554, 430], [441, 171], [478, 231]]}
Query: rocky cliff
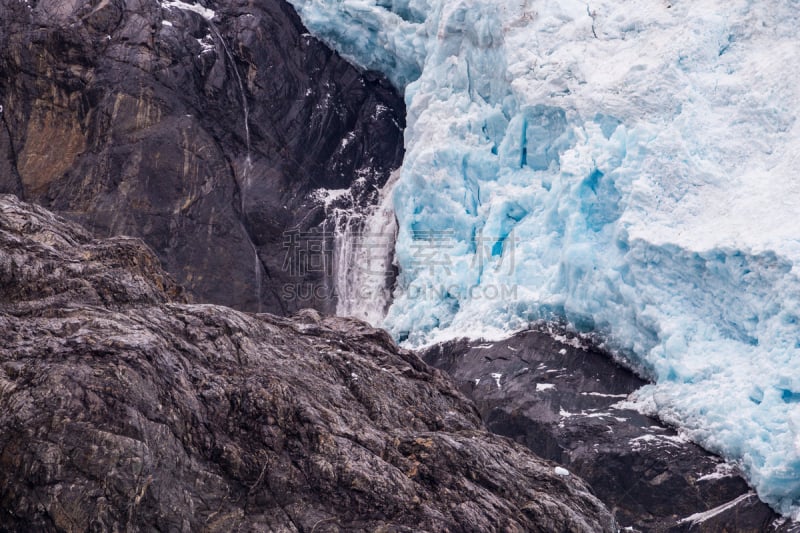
{"points": [[566, 401], [122, 409], [205, 129]]}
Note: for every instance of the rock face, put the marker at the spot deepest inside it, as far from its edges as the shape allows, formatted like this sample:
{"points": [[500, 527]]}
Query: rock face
{"points": [[202, 129], [564, 402], [122, 409]]}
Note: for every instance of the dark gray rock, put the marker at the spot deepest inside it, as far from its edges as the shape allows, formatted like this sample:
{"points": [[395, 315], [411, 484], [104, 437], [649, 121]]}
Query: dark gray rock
{"points": [[123, 411], [205, 138], [560, 399], [47, 262]]}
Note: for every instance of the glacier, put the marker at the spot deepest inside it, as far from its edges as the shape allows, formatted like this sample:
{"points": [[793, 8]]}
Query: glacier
{"points": [[627, 168]]}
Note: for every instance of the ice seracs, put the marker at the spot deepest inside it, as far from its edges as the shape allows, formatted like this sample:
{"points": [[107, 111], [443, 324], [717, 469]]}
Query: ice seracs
{"points": [[629, 168]]}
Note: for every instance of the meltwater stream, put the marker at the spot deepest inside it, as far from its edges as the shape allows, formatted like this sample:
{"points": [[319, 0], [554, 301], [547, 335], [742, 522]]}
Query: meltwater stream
{"points": [[247, 167], [363, 256], [242, 180]]}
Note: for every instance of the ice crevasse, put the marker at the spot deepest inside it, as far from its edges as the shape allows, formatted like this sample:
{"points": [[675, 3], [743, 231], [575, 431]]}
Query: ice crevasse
{"points": [[631, 168]]}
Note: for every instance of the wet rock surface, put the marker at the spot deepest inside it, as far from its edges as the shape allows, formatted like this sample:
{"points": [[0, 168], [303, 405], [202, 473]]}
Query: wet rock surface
{"points": [[203, 128], [565, 401], [122, 409]]}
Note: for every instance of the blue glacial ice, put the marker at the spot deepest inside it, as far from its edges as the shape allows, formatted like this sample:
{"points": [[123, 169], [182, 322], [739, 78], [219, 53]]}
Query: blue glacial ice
{"points": [[631, 168]]}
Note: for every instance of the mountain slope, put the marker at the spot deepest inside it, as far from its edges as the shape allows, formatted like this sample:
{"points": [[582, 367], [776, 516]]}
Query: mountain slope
{"points": [[120, 410], [203, 130]]}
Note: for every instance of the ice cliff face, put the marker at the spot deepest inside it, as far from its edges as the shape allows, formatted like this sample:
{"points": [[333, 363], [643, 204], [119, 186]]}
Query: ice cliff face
{"points": [[629, 167]]}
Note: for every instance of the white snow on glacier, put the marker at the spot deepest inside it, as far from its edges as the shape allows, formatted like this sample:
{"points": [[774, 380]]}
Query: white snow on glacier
{"points": [[628, 167]]}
